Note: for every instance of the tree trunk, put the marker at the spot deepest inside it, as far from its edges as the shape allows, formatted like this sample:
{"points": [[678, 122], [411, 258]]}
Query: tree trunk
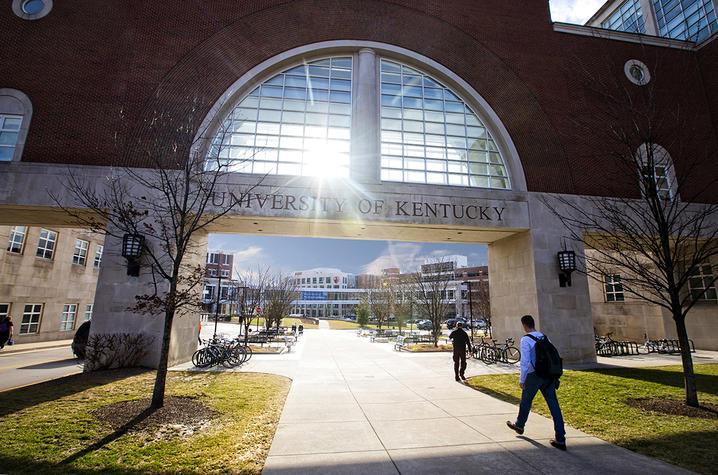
{"points": [[158, 393], [689, 375]]}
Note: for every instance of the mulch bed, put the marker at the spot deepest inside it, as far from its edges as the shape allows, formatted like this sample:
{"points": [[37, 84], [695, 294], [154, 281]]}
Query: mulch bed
{"points": [[675, 408], [180, 416]]}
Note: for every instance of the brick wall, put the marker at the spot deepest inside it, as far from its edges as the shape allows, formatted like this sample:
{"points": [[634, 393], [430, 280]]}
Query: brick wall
{"points": [[99, 72]]}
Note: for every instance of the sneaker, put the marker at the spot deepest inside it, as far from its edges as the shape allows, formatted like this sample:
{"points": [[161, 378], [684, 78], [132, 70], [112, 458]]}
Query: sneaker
{"points": [[515, 428], [558, 445], [463, 377], [458, 379]]}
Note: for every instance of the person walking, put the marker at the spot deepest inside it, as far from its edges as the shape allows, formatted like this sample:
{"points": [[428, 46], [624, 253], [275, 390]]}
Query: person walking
{"points": [[462, 343], [5, 331], [540, 365]]}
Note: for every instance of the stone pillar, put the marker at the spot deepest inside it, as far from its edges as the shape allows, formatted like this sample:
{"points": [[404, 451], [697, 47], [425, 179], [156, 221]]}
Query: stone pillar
{"points": [[366, 148], [524, 280], [116, 292]]}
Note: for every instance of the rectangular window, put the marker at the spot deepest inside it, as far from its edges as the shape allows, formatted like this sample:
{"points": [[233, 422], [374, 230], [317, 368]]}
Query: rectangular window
{"points": [[31, 318], [46, 244], [4, 310], [701, 284], [67, 319], [614, 288], [225, 273], [79, 256], [692, 20], [88, 311], [213, 258], [98, 256], [213, 272], [225, 259], [16, 243], [9, 131]]}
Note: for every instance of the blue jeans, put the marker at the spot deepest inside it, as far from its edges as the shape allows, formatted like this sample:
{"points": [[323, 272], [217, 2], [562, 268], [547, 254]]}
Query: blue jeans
{"points": [[534, 383]]}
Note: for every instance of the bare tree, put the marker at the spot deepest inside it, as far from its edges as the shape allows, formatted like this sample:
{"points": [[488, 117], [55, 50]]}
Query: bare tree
{"points": [[404, 301], [431, 291], [171, 204], [279, 294], [251, 295], [481, 301], [657, 237], [380, 302]]}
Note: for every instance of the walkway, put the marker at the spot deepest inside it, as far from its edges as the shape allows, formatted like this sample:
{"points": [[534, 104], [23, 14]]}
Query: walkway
{"points": [[360, 407]]}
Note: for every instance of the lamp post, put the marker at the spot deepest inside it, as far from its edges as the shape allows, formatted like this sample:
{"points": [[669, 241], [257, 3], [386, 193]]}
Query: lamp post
{"points": [[471, 309], [216, 307], [241, 307]]}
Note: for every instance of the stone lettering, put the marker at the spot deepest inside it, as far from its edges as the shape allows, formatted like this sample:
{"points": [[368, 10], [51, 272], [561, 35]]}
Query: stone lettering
{"points": [[400, 211]]}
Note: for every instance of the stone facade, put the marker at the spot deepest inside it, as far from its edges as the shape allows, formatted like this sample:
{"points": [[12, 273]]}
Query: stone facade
{"points": [[54, 283]]}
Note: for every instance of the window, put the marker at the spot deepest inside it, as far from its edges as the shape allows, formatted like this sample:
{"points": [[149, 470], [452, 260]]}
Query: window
{"points": [[98, 256], [692, 20], [701, 283], [31, 318], [15, 114], [296, 123], [4, 310], [208, 292], [79, 256], [46, 245], [67, 319], [225, 273], [88, 311], [429, 135], [16, 243], [225, 259], [628, 17], [614, 288], [657, 172], [31, 9], [637, 72], [213, 272], [9, 132]]}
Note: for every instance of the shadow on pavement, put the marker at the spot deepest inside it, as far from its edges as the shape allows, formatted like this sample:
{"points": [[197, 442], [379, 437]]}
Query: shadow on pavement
{"points": [[54, 364], [18, 399]]}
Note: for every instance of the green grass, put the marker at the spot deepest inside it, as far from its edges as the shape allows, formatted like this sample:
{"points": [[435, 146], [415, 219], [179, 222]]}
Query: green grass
{"points": [[595, 402], [44, 424]]}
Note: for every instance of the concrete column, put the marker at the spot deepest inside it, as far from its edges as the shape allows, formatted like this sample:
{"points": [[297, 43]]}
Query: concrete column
{"points": [[524, 280], [366, 148], [116, 292]]}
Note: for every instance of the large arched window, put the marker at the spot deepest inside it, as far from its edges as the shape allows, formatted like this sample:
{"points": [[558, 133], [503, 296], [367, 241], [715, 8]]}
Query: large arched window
{"points": [[300, 122], [296, 123]]}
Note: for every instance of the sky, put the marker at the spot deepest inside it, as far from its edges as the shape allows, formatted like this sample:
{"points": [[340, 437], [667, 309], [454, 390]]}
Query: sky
{"points": [[289, 254], [574, 11], [283, 254]]}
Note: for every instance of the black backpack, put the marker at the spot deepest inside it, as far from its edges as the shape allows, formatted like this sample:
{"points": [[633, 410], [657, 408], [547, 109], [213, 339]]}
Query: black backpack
{"points": [[548, 361]]}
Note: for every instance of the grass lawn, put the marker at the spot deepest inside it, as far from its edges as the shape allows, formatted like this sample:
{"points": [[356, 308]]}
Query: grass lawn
{"points": [[596, 402], [45, 424], [428, 348]]}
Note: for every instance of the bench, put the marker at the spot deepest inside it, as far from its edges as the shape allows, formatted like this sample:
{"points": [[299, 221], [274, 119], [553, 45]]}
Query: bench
{"points": [[402, 341]]}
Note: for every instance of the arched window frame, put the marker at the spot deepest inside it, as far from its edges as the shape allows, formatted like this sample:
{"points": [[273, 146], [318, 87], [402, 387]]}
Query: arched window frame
{"points": [[367, 110], [14, 102], [661, 169]]}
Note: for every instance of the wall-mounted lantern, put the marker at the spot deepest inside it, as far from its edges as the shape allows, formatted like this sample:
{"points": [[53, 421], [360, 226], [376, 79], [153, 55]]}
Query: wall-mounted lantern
{"points": [[132, 250], [567, 264]]}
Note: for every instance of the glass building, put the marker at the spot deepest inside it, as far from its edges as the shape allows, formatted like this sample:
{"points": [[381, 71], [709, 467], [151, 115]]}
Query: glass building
{"points": [[689, 20]]}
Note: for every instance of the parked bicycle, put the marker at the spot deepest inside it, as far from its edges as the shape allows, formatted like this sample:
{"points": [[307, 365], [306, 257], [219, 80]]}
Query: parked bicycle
{"points": [[492, 351], [228, 353], [665, 346]]}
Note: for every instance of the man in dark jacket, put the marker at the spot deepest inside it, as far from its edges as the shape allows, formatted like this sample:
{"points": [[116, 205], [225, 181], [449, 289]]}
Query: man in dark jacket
{"points": [[462, 343]]}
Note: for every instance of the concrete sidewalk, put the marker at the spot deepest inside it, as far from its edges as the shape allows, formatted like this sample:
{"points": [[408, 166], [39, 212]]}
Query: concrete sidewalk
{"points": [[360, 407], [40, 345]]}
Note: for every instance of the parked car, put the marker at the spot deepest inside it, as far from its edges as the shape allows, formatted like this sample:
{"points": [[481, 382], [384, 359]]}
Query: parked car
{"points": [[79, 342], [424, 325]]}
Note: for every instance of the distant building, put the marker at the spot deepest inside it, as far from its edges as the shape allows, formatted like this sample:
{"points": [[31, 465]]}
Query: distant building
{"points": [[48, 278], [323, 278], [691, 20], [219, 278]]}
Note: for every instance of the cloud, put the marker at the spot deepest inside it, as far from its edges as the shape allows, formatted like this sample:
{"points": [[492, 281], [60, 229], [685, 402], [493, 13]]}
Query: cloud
{"points": [[252, 252], [574, 11], [405, 255]]}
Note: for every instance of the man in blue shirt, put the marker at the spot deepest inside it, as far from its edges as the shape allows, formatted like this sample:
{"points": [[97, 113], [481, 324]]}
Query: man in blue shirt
{"points": [[531, 383]]}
